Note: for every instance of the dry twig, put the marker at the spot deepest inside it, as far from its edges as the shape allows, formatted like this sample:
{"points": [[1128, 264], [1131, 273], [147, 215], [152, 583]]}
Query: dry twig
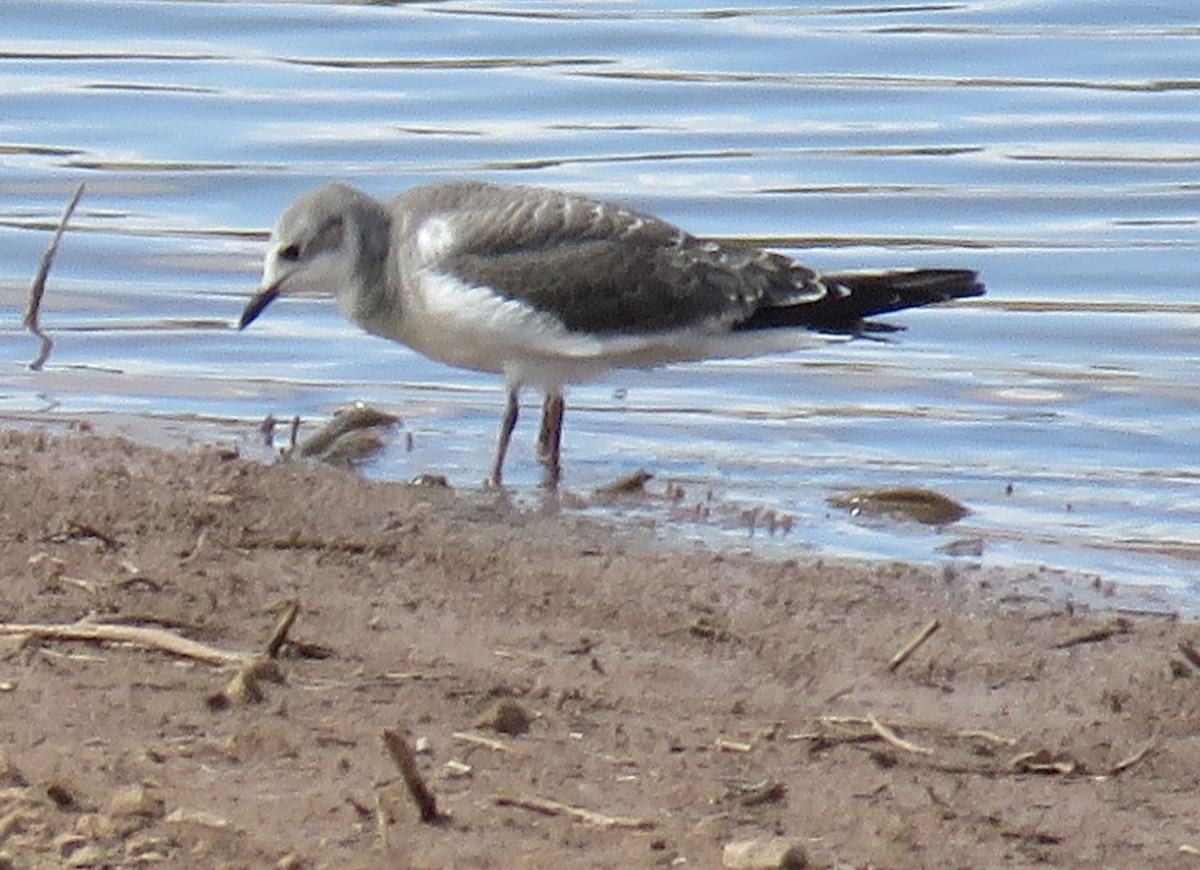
{"points": [[913, 645], [280, 632], [987, 737], [382, 822], [1119, 627], [488, 742], [1137, 755], [1043, 761], [556, 808], [887, 735], [38, 289], [402, 754], [150, 638]]}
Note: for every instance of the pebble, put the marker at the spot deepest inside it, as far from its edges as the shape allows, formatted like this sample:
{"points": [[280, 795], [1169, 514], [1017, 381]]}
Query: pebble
{"points": [[774, 853]]}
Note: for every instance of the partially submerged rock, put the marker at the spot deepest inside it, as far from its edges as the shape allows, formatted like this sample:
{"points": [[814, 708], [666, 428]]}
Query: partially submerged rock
{"points": [[352, 436], [905, 502]]}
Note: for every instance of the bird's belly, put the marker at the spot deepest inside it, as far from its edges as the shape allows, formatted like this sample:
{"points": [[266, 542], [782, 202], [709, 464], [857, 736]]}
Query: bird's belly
{"points": [[476, 328], [531, 360]]}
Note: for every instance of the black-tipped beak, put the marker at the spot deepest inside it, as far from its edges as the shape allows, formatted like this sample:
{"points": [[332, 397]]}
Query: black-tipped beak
{"points": [[257, 303]]}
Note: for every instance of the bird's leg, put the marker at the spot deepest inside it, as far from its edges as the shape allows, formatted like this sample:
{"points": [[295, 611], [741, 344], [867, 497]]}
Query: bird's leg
{"points": [[549, 442], [509, 422]]}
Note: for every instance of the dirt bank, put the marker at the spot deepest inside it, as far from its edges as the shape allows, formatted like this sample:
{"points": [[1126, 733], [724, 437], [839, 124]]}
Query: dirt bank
{"points": [[575, 698]]}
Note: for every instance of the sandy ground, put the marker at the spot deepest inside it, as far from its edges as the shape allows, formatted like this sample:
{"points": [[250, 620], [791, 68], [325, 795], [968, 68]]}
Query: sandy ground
{"points": [[572, 697]]}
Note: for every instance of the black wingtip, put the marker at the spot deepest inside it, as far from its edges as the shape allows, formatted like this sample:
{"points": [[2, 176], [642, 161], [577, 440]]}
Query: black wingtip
{"points": [[256, 305], [884, 292], [963, 283], [918, 287], [869, 294]]}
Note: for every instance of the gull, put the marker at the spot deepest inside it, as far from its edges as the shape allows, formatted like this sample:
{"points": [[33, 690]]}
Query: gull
{"points": [[550, 288]]}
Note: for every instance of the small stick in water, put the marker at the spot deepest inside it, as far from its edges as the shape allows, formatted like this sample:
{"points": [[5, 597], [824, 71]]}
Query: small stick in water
{"points": [[38, 289]]}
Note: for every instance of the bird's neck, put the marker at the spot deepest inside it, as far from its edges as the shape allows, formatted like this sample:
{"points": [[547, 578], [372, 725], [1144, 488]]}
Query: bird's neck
{"points": [[371, 300]]}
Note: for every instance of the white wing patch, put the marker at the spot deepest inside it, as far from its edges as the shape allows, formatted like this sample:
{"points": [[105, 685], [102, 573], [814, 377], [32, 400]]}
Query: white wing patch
{"points": [[434, 239], [474, 327]]}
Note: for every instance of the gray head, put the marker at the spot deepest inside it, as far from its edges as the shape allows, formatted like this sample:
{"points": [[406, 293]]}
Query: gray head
{"points": [[332, 239]]}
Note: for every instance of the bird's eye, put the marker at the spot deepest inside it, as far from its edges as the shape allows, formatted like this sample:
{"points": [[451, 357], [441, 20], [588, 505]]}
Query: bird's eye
{"points": [[291, 253]]}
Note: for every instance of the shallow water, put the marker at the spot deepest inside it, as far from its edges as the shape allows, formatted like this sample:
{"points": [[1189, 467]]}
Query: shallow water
{"points": [[1052, 145]]}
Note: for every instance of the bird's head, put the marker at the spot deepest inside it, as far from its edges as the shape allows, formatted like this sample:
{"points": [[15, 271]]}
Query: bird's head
{"points": [[329, 240]]}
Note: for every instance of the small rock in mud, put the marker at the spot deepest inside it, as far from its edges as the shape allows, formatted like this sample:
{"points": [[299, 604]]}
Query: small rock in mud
{"points": [[507, 717], [765, 854], [135, 800]]}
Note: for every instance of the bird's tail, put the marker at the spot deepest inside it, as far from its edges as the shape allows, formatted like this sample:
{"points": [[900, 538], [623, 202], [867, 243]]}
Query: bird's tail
{"points": [[854, 296]]}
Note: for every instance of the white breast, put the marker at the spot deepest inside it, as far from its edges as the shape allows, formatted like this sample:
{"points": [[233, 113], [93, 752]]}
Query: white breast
{"points": [[474, 327]]}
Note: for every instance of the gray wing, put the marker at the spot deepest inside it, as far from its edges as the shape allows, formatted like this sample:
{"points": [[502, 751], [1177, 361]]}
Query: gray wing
{"points": [[603, 269]]}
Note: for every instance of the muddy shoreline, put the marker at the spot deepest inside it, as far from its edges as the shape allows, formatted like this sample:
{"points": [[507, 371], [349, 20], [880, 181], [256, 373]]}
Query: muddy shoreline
{"points": [[574, 697]]}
